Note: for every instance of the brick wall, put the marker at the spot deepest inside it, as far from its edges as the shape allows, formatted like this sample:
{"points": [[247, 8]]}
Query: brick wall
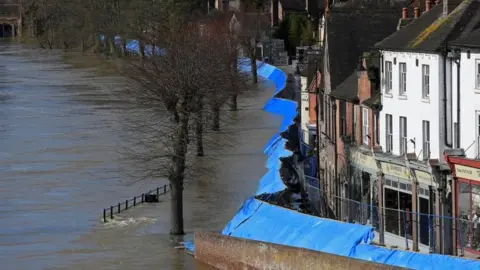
{"points": [[224, 252]]}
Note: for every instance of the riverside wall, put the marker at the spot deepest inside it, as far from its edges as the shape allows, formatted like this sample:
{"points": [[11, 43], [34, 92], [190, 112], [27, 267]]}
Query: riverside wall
{"points": [[228, 253]]}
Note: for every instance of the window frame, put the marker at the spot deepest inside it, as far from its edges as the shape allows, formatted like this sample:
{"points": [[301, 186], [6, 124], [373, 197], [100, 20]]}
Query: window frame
{"points": [[477, 74], [402, 79], [365, 126], [355, 122], [388, 77], [426, 139], [477, 134], [425, 81], [403, 135], [388, 133], [376, 128]]}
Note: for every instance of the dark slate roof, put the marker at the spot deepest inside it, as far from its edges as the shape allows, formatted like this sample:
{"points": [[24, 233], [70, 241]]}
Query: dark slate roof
{"points": [[429, 32], [354, 27], [470, 41], [293, 5], [348, 89]]}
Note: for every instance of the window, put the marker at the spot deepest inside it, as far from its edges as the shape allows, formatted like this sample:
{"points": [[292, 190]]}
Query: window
{"points": [[469, 214], [343, 118], [377, 129], [425, 81], [426, 140], [477, 73], [478, 133], [403, 135], [389, 133], [388, 77], [403, 79], [365, 125], [355, 122]]}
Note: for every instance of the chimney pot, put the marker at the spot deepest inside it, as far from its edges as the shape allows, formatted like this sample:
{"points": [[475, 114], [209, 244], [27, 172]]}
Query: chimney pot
{"points": [[428, 5], [416, 12], [404, 13]]}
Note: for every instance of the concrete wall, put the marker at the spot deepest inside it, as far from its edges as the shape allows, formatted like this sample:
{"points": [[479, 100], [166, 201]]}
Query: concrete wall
{"points": [[224, 252]]}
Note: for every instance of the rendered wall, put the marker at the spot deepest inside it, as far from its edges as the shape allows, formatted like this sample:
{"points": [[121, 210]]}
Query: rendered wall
{"points": [[224, 252]]}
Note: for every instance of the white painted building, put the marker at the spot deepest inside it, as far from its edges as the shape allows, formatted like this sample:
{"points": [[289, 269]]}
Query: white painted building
{"points": [[469, 94]]}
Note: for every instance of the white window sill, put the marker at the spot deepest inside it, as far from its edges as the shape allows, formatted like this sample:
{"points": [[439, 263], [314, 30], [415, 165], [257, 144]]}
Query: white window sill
{"points": [[477, 90], [426, 100], [404, 97], [388, 95]]}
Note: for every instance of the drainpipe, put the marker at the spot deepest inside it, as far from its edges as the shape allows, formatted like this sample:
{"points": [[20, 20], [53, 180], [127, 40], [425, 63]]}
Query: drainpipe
{"points": [[444, 100], [334, 109]]}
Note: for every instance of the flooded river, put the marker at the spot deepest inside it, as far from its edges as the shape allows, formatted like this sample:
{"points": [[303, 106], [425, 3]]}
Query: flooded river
{"points": [[60, 138]]}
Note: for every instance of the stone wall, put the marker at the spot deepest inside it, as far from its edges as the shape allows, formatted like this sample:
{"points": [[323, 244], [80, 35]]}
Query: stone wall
{"points": [[227, 253]]}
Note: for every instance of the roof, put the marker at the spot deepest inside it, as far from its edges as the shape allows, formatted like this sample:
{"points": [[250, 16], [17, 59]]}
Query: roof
{"points": [[354, 27], [293, 5], [374, 101], [432, 30], [348, 89], [470, 41]]}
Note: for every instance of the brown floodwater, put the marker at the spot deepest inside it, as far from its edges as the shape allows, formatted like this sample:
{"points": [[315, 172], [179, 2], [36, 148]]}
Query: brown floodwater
{"points": [[60, 165]]}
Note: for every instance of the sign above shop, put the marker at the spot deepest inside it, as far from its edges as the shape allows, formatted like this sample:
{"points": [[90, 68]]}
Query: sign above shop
{"points": [[366, 161], [424, 177], [467, 173], [395, 170]]}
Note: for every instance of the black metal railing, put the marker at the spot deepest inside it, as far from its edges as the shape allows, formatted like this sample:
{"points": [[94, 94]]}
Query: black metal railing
{"points": [[150, 196]]}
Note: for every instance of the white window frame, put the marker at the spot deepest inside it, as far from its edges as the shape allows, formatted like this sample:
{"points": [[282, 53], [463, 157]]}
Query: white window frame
{"points": [[425, 81], [477, 73], [365, 126], [388, 77], [388, 133], [426, 139], [403, 135], [355, 122], [375, 129], [402, 79], [477, 135]]}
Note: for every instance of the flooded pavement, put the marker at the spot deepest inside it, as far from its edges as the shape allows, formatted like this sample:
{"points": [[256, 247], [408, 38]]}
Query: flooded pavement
{"points": [[60, 138]]}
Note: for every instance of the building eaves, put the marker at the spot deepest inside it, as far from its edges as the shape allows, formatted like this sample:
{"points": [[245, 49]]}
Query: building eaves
{"points": [[347, 90], [374, 101], [431, 31]]}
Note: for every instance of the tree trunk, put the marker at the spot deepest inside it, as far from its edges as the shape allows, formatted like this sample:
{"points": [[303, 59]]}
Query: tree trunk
{"points": [[177, 173], [141, 49], [199, 133], [253, 64], [216, 117], [233, 102]]}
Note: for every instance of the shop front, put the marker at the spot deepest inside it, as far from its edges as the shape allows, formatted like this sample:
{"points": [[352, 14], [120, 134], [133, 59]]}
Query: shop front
{"points": [[466, 183], [361, 187]]}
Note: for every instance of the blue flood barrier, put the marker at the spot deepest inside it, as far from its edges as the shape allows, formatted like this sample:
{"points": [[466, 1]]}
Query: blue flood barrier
{"points": [[262, 221]]}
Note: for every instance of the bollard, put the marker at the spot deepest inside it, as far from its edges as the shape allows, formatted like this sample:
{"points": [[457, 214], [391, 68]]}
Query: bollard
{"points": [[126, 204], [111, 212], [119, 208], [158, 191], [104, 215], [134, 200], [143, 197], [165, 189]]}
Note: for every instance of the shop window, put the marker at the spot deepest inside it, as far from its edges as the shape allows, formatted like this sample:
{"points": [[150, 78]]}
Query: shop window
{"points": [[468, 203]]}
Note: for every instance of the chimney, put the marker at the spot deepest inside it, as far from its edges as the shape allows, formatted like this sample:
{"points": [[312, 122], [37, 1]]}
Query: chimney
{"points": [[428, 5], [404, 13], [416, 12]]}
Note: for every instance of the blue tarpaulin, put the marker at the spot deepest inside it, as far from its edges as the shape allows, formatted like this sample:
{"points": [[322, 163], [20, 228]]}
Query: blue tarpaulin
{"points": [[269, 223]]}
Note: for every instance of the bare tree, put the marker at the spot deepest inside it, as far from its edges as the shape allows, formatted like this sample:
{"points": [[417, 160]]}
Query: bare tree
{"points": [[190, 71], [250, 30]]}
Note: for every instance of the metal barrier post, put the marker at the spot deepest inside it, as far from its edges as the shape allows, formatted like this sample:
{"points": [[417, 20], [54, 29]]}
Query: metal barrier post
{"points": [[143, 198], [111, 212], [134, 200], [118, 208], [126, 204], [165, 189], [104, 215]]}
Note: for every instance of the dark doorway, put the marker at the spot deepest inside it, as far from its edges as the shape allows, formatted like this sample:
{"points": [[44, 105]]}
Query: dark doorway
{"points": [[6, 30]]}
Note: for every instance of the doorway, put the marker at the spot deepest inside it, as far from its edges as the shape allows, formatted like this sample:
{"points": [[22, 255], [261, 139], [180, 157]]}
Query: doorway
{"points": [[6, 30]]}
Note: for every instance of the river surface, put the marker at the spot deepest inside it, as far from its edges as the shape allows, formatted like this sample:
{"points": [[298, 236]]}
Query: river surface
{"points": [[60, 165]]}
